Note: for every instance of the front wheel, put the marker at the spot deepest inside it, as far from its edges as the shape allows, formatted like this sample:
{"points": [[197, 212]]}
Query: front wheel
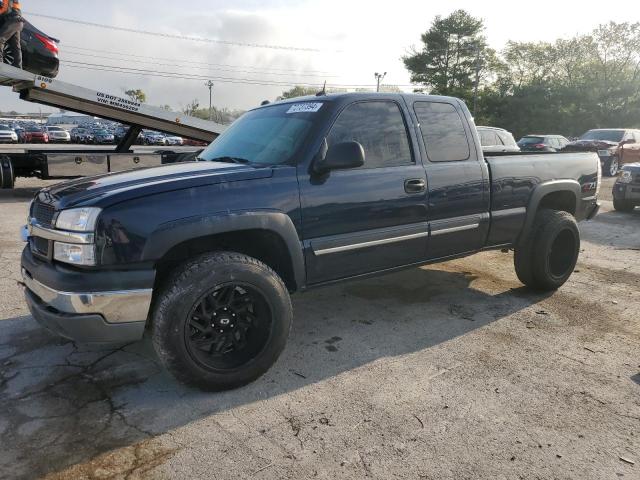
{"points": [[221, 321], [611, 167], [623, 205], [546, 259]]}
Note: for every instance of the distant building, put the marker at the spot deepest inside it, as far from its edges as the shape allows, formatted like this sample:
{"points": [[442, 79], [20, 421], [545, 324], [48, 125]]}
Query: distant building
{"points": [[69, 118]]}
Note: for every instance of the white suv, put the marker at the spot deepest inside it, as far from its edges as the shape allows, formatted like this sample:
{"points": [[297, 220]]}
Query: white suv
{"points": [[58, 134]]}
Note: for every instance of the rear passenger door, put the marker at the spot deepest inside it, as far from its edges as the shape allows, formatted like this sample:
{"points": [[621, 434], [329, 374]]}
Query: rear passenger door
{"points": [[369, 218], [457, 177]]}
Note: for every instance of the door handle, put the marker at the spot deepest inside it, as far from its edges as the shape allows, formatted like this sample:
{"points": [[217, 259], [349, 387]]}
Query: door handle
{"points": [[415, 185]]}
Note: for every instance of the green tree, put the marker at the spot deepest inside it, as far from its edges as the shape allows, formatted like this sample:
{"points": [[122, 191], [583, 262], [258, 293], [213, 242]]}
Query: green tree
{"points": [[301, 91], [192, 107], [224, 116], [136, 95], [454, 56], [298, 91]]}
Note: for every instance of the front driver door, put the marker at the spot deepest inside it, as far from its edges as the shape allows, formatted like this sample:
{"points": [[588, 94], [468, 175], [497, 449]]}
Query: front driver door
{"points": [[372, 217]]}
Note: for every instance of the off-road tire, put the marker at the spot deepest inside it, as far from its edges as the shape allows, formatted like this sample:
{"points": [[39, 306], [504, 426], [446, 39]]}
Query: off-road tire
{"points": [[546, 260], [185, 287], [623, 205]]}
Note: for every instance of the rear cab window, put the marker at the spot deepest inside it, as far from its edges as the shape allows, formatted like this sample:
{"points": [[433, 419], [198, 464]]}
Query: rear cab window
{"points": [[443, 131]]}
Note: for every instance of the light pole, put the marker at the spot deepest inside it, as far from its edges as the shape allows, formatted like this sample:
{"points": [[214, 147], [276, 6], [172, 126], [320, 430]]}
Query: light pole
{"points": [[379, 78], [209, 85]]}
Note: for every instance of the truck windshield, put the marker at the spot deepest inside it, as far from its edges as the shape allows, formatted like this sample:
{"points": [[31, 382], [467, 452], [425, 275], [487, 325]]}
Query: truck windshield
{"points": [[609, 135], [266, 136]]}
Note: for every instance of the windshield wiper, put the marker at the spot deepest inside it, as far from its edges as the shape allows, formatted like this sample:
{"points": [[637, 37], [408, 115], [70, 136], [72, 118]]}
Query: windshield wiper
{"points": [[230, 160]]}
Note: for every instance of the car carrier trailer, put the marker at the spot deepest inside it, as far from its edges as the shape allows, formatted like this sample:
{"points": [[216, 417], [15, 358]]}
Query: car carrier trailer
{"points": [[53, 164]]}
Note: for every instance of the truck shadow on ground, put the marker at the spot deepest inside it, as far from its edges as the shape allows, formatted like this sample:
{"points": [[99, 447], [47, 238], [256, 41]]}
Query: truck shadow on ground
{"points": [[64, 403]]}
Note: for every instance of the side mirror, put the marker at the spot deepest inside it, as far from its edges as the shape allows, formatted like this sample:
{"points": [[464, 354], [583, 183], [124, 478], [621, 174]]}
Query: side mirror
{"points": [[340, 156], [628, 140]]}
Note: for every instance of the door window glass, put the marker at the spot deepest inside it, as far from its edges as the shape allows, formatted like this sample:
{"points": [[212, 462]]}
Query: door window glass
{"points": [[379, 127], [442, 131]]}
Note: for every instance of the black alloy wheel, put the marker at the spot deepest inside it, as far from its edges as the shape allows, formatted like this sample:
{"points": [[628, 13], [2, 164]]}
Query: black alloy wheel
{"points": [[228, 327], [220, 320]]}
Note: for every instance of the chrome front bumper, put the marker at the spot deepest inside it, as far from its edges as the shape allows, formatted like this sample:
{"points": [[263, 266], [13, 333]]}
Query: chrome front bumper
{"points": [[114, 306]]}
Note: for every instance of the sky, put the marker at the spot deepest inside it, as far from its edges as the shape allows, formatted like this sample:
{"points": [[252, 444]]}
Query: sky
{"points": [[340, 41]]}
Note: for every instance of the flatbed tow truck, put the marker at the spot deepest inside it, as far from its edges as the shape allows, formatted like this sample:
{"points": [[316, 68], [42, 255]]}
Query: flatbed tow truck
{"points": [[61, 164]]}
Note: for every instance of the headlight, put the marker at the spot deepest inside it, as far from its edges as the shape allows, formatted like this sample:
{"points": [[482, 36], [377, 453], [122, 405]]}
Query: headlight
{"points": [[78, 219], [626, 177], [77, 254]]}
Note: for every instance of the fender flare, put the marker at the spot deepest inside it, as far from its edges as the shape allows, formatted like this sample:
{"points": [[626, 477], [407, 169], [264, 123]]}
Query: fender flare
{"points": [[170, 234], [539, 193]]}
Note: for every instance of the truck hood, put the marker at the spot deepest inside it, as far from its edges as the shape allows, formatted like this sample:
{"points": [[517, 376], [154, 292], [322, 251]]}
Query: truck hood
{"points": [[105, 190], [591, 145]]}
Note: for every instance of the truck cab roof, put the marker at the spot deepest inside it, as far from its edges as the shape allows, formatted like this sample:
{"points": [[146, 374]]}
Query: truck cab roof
{"points": [[347, 97]]}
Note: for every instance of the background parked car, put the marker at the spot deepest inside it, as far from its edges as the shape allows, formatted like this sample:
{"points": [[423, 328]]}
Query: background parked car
{"points": [[39, 52], [120, 132], [615, 147], [154, 138], [20, 132], [193, 143], [7, 135], [542, 143], [495, 140], [58, 135], [35, 135], [173, 140], [81, 135], [102, 136], [626, 190]]}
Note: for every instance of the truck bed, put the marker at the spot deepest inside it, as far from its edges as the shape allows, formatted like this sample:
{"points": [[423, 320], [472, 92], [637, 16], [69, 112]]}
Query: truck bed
{"points": [[514, 177]]}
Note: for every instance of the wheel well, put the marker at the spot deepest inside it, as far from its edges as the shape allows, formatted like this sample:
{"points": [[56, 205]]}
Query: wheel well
{"points": [[264, 245], [563, 200]]}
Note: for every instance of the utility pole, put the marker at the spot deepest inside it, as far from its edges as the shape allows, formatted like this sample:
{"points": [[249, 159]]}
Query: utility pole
{"points": [[475, 87], [209, 85], [379, 77]]}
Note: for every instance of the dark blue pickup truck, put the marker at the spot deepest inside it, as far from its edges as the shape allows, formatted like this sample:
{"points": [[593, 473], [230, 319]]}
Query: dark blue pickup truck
{"points": [[294, 195]]}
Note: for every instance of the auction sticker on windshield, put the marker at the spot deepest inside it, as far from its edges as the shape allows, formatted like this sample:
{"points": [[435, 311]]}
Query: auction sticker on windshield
{"points": [[307, 107]]}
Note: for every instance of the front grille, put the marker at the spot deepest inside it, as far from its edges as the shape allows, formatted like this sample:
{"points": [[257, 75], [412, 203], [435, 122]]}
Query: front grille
{"points": [[43, 213], [39, 246]]}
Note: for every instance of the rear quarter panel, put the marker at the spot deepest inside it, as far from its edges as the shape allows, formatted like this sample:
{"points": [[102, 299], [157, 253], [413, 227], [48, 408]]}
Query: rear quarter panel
{"points": [[515, 178]]}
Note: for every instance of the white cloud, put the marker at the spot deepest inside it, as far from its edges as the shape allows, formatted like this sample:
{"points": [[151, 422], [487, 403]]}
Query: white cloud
{"points": [[355, 39]]}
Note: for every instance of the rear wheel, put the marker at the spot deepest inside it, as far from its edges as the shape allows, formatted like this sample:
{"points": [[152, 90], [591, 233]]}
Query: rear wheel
{"points": [[623, 205], [611, 167], [546, 260], [7, 175], [221, 321]]}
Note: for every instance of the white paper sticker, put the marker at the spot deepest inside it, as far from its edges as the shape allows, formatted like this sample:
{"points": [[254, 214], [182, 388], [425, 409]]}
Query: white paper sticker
{"points": [[307, 107]]}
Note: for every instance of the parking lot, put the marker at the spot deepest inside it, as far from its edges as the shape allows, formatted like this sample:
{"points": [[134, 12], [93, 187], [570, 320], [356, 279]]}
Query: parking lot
{"points": [[447, 371]]}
